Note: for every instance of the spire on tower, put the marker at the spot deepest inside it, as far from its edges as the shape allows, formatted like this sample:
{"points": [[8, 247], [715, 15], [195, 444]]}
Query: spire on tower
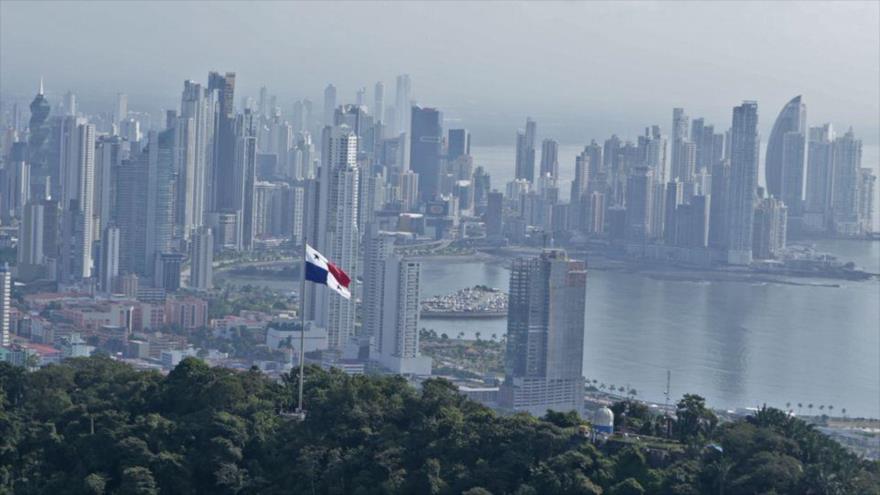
{"points": [[41, 85]]}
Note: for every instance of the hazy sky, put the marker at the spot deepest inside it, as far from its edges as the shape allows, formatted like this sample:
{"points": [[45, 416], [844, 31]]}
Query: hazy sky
{"points": [[582, 69]]}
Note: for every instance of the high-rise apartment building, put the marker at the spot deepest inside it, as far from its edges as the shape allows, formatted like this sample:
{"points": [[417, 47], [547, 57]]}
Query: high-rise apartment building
{"points": [[847, 158], [333, 231], [770, 228], [109, 268], [820, 169], [550, 158], [740, 205], [379, 102], [525, 152], [5, 296], [639, 203], [202, 256], [402, 104], [329, 104], [545, 335]]}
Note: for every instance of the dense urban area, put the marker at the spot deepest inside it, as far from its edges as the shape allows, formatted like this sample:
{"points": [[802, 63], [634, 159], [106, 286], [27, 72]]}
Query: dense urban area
{"points": [[137, 365]]}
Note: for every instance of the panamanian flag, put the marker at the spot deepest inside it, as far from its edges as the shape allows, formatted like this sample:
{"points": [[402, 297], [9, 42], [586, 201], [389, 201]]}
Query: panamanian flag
{"points": [[321, 271]]}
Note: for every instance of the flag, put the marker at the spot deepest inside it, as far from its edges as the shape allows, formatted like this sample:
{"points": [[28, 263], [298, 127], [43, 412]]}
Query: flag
{"points": [[321, 271]]}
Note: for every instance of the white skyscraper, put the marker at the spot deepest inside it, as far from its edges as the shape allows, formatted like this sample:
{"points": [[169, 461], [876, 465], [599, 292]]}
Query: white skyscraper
{"points": [[197, 105], [78, 186], [109, 258], [184, 163], [397, 343], [331, 228], [334, 231]]}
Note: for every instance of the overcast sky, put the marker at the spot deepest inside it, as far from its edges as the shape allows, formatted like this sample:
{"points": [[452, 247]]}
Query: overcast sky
{"points": [[582, 69]]}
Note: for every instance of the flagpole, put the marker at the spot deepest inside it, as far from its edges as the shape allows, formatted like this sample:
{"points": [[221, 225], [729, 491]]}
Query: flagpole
{"points": [[302, 332]]}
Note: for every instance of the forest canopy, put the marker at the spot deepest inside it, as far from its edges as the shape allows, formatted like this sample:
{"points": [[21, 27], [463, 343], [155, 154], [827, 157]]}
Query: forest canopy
{"points": [[97, 426]]}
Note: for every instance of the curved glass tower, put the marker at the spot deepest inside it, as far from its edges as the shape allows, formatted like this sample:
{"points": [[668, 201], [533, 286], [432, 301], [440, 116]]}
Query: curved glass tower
{"points": [[784, 162]]}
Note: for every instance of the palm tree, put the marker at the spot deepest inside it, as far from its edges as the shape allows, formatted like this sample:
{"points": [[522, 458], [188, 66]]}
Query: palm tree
{"points": [[788, 406], [830, 409], [460, 335], [800, 406], [843, 411], [478, 335], [494, 337], [810, 407], [822, 407]]}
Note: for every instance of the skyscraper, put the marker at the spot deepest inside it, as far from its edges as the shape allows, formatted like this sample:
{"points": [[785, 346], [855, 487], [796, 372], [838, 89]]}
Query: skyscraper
{"points": [[5, 295], [202, 266], [545, 334], [223, 167], [494, 214], [245, 178], [744, 144], [78, 172], [160, 199], [784, 162], [198, 108], [109, 153], [550, 158], [30, 235], [402, 103], [582, 166], [329, 104], [397, 343], [379, 102], [639, 202], [333, 230], [847, 151], [525, 152], [458, 144], [131, 214], [109, 268], [120, 111], [820, 168], [426, 149], [683, 153], [38, 132], [770, 226]]}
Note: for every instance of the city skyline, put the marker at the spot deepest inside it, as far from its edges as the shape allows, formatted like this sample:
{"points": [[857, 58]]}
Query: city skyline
{"points": [[572, 106]]}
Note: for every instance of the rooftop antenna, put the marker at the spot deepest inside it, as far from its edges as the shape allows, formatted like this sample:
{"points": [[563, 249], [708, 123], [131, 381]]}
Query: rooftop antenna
{"points": [[41, 86]]}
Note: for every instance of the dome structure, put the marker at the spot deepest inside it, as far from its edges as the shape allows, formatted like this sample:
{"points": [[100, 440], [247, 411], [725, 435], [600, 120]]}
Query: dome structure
{"points": [[603, 421]]}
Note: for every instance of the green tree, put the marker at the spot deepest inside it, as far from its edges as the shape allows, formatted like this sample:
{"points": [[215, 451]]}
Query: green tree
{"points": [[694, 421], [137, 481]]}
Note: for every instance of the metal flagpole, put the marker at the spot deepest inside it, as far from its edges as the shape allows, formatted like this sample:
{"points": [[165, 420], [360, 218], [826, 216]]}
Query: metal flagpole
{"points": [[302, 330]]}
